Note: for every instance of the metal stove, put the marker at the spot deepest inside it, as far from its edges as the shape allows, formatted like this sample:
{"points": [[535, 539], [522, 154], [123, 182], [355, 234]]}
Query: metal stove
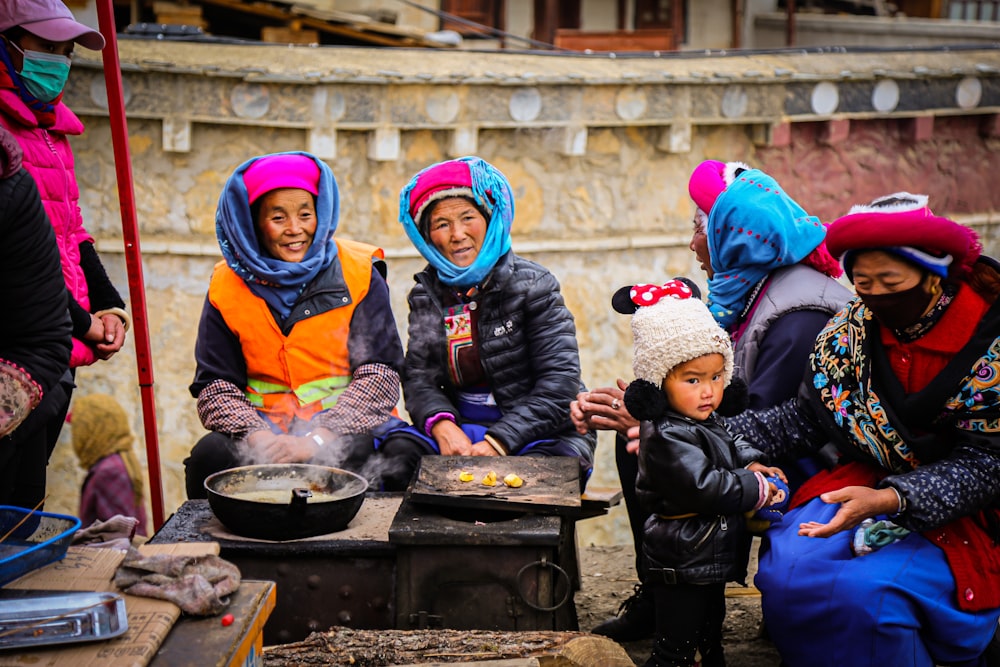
{"points": [[345, 578], [411, 562], [482, 570]]}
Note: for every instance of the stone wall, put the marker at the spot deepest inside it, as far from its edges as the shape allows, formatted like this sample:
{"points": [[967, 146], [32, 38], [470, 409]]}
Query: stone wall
{"points": [[598, 151]]}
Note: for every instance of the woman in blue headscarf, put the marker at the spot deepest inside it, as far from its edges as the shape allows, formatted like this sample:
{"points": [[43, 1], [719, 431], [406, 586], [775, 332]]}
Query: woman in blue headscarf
{"points": [[298, 353], [492, 361]]}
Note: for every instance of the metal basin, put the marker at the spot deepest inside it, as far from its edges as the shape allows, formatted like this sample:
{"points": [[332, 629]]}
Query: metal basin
{"points": [[285, 501]]}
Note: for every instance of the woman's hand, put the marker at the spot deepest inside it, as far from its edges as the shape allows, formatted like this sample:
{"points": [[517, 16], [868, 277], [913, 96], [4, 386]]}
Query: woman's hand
{"points": [[483, 448], [95, 334], [286, 448], [768, 471], [857, 503], [602, 409], [451, 439], [269, 447], [113, 336]]}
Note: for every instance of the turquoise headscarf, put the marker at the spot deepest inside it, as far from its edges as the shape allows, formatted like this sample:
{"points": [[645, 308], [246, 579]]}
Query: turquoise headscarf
{"points": [[488, 187], [276, 281], [753, 229]]}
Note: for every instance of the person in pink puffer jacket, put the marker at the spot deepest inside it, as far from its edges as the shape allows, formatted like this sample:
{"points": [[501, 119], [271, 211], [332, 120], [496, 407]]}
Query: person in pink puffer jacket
{"points": [[38, 38]]}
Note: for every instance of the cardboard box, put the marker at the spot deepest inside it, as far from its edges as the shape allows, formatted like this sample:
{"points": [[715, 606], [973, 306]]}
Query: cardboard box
{"points": [[92, 569]]}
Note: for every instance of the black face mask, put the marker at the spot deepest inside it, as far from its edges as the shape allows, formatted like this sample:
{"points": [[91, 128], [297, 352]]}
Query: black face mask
{"points": [[899, 310]]}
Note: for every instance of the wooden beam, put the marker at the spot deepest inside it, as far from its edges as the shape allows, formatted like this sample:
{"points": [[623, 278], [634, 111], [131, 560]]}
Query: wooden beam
{"points": [[990, 126], [921, 128], [835, 131], [359, 27]]}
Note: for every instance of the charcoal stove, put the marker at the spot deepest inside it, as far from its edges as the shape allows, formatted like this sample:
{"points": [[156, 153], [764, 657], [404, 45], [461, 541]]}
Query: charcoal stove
{"points": [[482, 570], [345, 578], [419, 560]]}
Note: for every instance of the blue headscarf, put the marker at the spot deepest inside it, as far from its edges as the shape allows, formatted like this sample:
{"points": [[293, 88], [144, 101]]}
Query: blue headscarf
{"points": [[489, 188], [753, 229], [276, 281]]}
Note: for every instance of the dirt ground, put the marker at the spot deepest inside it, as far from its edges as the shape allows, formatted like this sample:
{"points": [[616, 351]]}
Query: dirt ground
{"points": [[608, 577]]}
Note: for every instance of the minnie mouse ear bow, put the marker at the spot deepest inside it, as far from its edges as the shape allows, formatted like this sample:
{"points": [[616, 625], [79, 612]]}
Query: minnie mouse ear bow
{"points": [[630, 298]]}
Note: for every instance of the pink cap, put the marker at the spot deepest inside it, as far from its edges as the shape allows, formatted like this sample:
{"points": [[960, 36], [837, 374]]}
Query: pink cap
{"points": [[49, 19], [445, 179], [281, 171], [707, 183]]}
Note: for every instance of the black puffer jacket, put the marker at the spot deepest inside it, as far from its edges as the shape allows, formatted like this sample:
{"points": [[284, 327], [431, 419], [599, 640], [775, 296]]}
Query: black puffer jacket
{"points": [[35, 333], [689, 467], [527, 349]]}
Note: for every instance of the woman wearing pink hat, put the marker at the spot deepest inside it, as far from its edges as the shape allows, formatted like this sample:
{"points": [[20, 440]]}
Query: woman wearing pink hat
{"points": [[492, 360], [892, 557], [298, 356], [38, 41]]}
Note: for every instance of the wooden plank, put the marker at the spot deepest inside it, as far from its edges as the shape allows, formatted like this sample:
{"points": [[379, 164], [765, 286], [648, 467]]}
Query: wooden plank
{"points": [[359, 22], [363, 28], [616, 40], [278, 35], [551, 483], [206, 642]]}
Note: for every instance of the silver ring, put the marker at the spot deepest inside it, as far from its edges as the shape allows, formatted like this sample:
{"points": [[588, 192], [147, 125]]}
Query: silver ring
{"points": [[615, 404]]}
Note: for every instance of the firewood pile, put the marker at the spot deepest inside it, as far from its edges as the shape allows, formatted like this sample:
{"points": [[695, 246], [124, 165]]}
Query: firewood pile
{"points": [[382, 648]]}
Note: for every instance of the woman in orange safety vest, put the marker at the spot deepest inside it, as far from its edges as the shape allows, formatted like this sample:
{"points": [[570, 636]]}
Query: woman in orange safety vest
{"points": [[298, 355]]}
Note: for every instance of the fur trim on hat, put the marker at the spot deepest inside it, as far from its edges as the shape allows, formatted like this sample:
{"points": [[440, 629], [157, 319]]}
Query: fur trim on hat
{"points": [[444, 193], [733, 170], [894, 203]]}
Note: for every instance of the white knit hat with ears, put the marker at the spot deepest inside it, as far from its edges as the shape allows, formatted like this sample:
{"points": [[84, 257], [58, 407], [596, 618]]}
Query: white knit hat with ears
{"points": [[675, 328]]}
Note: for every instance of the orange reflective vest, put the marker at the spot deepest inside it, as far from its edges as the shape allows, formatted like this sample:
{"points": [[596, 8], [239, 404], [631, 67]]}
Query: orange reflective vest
{"points": [[304, 372]]}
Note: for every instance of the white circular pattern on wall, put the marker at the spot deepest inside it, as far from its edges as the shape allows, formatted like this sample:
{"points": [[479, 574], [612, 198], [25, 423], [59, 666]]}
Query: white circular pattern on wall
{"points": [[825, 98], [969, 93], [630, 103], [99, 92], [525, 104], [442, 106], [250, 100], [734, 102], [885, 96]]}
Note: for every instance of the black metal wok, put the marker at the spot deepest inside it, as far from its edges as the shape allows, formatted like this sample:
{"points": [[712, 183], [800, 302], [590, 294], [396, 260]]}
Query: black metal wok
{"points": [[285, 501]]}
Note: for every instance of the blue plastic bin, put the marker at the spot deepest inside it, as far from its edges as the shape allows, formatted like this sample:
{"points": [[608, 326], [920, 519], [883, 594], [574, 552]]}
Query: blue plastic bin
{"points": [[42, 539]]}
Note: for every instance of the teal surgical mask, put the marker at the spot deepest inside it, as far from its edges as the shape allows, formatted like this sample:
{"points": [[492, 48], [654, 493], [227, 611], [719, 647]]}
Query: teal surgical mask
{"points": [[44, 74]]}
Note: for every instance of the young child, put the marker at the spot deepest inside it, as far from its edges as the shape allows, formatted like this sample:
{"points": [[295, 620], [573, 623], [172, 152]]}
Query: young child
{"points": [[696, 479]]}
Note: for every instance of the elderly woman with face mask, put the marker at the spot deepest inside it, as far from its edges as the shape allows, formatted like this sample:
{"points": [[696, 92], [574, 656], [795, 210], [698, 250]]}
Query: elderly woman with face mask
{"points": [[905, 381], [298, 356], [492, 360]]}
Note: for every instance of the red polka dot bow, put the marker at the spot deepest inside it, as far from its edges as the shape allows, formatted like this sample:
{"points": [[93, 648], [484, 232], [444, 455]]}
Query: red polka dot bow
{"points": [[647, 295]]}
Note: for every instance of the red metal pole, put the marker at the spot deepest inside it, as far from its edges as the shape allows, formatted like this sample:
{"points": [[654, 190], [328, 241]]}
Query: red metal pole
{"points": [[133, 255]]}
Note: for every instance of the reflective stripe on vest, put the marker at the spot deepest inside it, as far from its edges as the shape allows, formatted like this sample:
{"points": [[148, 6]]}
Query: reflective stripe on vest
{"points": [[304, 372]]}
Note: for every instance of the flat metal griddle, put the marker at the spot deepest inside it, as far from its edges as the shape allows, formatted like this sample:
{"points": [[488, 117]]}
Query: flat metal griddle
{"points": [[551, 483]]}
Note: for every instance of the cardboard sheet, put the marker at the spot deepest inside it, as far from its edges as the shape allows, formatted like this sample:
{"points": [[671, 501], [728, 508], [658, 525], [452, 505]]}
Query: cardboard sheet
{"points": [[91, 569]]}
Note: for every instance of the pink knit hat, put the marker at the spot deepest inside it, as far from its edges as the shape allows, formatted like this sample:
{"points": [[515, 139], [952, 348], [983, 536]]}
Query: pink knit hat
{"points": [[443, 180], [707, 183], [49, 19], [710, 178], [281, 171]]}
